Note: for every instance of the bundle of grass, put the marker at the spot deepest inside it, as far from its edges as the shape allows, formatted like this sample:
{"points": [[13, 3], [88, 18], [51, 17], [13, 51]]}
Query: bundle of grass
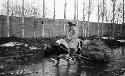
{"points": [[112, 43], [96, 53]]}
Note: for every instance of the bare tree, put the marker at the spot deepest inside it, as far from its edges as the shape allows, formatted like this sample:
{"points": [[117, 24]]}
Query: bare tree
{"points": [[113, 1], [16, 10], [123, 12], [43, 18], [74, 10], [123, 18], [53, 18], [65, 4], [8, 26], [102, 19], [77, 13], [23, 19], [35, 22], [90, 9], [102, 12], [119, 15], [98, 16], [31, 10], [83, 29]]}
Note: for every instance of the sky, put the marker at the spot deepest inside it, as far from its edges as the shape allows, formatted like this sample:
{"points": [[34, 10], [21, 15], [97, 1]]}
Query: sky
{"points": [[49, 4]]}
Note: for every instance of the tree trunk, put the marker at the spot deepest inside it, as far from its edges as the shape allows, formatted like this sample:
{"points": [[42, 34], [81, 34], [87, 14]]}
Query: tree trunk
{"points": [[102, 20], [88, 19], [53, 20], [43, 31], [98, 18], [77, 23], [74, 10], [8, 23], [113, 19], [34, 34], [123, 19], [22, 18], [65, 17], [83, 29]]}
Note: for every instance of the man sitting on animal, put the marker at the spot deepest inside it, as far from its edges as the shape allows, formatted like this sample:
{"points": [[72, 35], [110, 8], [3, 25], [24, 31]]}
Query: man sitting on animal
{"points": [[71, 42]]}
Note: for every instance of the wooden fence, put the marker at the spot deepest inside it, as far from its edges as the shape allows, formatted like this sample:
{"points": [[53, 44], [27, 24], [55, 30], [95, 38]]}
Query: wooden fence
{"points": [[34, 27]]}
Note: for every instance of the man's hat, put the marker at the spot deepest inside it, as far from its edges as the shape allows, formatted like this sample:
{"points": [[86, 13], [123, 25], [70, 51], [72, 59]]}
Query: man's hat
{"points": [[71, 24]]}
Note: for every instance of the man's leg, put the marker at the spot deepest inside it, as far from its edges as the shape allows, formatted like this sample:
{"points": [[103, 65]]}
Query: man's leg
{"points": [[67, 57], [58, 59]]}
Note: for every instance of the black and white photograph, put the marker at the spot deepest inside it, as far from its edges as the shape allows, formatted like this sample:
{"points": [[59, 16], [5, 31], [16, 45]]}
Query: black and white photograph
{"points": [[62, 38]]}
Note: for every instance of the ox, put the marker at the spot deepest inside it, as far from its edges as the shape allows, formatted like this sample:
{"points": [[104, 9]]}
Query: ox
{"points": [[62, 48]]}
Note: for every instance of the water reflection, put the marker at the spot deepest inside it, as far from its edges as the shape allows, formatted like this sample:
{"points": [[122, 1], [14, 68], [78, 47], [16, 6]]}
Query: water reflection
{"points": [[47, 68], [58, 71], [65, 70]]}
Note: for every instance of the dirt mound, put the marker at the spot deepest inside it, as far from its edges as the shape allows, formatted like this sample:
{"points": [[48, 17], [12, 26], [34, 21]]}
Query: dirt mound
{"points": [[16, 52]]}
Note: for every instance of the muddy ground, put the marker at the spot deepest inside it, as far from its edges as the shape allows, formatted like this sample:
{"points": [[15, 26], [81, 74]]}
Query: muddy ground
{"points": [[25, 57]]}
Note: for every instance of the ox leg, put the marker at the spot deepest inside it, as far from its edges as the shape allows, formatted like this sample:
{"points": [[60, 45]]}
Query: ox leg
{"points": [[67, 58], [58, 59]]}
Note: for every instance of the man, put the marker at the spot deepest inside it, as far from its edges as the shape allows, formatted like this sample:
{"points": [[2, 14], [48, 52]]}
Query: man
{"points": [[72, 35], [72, 42], [72, 38]]}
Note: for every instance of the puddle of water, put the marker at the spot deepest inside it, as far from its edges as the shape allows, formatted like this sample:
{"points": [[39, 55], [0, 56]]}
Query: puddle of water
{"points": [[47, 68]]}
